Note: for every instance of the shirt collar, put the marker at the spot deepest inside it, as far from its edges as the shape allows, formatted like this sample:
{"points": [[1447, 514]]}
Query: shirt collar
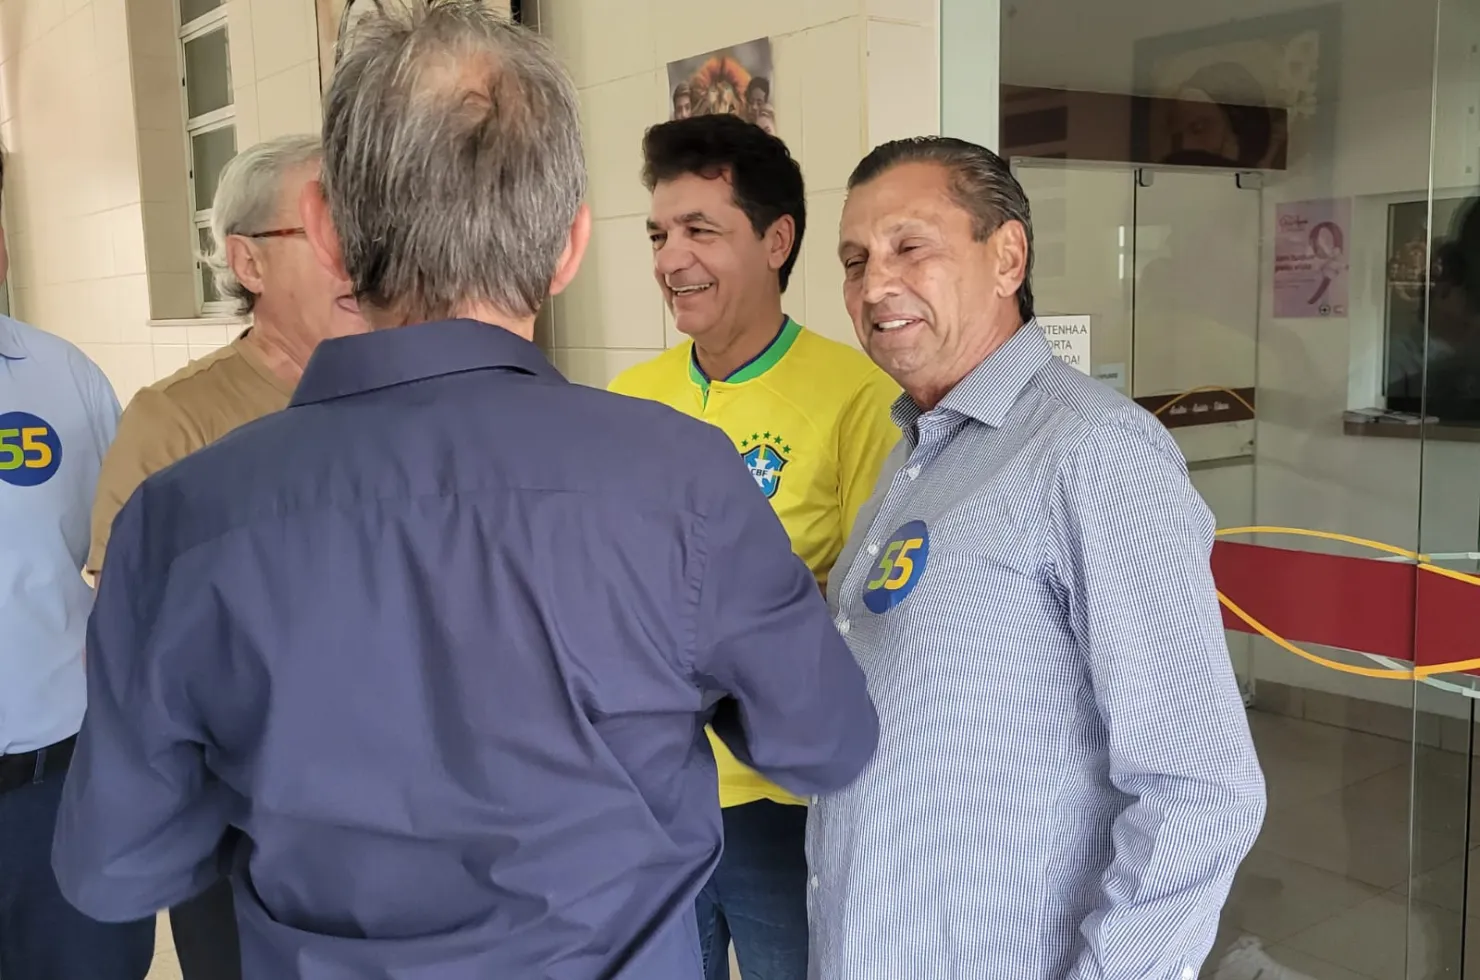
{"points": [[10, 344], [988, 393], [757, 365], [384, 358]]}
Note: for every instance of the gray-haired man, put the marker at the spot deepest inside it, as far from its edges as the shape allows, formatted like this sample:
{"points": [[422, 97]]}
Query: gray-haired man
{"points": [[441, 639], [261, 261], [1066, 783]]}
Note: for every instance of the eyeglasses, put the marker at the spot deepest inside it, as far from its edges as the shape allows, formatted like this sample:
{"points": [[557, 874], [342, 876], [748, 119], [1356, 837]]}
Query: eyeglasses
{"points": [[276, 233]]}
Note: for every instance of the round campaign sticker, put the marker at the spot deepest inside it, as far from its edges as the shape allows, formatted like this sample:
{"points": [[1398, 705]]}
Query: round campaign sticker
{"points": [[30, 451], [901, 564]]}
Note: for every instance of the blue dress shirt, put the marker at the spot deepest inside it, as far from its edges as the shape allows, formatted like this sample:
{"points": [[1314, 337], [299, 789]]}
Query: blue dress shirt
{"points": [[426, 660], [57, 418]]}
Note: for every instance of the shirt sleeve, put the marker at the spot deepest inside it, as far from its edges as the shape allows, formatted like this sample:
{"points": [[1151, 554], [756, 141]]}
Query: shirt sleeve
{"points": [[866, 434], [151, 435], [798, 709], [141, 822], [1134, 542]]}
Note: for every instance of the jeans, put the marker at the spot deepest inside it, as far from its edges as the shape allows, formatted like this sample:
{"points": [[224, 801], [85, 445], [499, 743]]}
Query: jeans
{"points": [[758, 895], [205, 934], [42, 937]]}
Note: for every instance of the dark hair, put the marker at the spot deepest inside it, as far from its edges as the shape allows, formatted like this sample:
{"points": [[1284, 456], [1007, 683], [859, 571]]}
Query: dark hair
{"points": [[681, 89], [981, 183], [765, 180], [759, 84]]}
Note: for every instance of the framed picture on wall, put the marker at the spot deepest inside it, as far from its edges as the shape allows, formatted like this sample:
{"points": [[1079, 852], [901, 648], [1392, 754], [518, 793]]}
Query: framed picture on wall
{"points": [[1431, 316], [1211, 90]]}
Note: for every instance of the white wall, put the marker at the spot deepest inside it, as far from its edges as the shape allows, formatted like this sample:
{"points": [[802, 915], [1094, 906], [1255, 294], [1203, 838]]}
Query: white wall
{"points": [[849, 74]]}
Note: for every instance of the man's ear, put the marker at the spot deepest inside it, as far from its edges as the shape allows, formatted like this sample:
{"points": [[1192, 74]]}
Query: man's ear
{"points": [[575, 250], [780, 239], [242, 259], [318, 227]]}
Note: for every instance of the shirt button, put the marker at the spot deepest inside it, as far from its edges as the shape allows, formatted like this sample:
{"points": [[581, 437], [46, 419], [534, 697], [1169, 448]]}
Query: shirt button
{"points": [[816, 882], [843, 625], [873, 549], [815, 798], [913, 471]]}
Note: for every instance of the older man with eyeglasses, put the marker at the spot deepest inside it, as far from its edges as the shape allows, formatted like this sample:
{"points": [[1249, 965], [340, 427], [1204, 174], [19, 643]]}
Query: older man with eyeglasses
{"points": [[260, 260]]}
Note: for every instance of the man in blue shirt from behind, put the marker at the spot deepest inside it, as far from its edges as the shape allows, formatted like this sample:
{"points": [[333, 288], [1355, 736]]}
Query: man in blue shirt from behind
{"points": [[425, 660], [58, 414]]}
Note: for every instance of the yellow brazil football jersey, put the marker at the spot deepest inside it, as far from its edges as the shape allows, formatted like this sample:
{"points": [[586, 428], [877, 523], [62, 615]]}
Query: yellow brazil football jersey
{"points": [[810, 417]]}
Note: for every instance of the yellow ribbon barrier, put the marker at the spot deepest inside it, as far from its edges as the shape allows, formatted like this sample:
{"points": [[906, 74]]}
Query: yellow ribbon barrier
{"points": [[1422, 561], [1381, 673]]}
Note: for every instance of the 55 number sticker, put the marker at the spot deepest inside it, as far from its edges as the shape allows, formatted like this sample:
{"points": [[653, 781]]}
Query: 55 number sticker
{"points": [[30, 451], [901, 564]]}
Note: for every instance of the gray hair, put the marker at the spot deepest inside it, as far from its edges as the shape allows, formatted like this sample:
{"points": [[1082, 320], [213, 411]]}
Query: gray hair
{"points": [[982, 184], [249, 192], [452, 160]]}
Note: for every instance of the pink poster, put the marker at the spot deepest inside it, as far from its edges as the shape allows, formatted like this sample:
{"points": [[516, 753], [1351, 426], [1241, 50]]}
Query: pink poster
{"points": [[1311, 265]]}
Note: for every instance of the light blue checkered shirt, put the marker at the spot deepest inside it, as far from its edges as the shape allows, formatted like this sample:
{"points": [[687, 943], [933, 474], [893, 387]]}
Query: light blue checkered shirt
{"points": [[1065, 782]]}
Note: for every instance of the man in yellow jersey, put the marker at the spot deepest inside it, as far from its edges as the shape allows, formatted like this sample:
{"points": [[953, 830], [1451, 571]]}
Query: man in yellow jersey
{"points": [[808, 415]]}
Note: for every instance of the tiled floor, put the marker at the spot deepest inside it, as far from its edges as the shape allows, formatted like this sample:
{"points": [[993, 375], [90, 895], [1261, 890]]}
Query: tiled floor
{"points": [[1324, 895]]}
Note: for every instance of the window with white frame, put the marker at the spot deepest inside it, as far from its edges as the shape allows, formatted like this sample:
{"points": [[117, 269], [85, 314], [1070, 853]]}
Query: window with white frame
{"points": [[210, 124]]}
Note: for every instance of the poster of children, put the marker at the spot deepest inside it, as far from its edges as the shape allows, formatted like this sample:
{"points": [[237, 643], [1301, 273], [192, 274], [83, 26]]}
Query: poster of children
{"points": [[1312, 258], [734, 80]]}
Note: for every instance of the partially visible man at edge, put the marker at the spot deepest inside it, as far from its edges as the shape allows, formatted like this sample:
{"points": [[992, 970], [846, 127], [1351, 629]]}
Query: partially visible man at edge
{"points": [[261, 260], [809, 416], [1065, 784], [439, 641]]}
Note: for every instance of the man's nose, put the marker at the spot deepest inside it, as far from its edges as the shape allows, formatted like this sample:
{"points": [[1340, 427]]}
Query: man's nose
{"points": [[672, 257], [879, 282]]}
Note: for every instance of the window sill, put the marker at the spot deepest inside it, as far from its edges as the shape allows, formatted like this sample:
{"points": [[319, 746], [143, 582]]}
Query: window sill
{"points": [[223, 320], [1437, 431]]}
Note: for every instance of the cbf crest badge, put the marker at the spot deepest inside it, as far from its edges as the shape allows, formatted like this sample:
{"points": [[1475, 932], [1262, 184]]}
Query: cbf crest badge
{"points": [[767, 455]]}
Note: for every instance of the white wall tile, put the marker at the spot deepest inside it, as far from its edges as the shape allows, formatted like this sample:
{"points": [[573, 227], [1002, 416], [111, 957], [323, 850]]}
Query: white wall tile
{"points": [[826, 11], [597, 368], [614, 115], [910, 11], [284, 35], [169, 358], [601, 42], [241, 42], [898, 105], [684, 29], [832, 97], [614, 301], [823, 274], [288, 102]]}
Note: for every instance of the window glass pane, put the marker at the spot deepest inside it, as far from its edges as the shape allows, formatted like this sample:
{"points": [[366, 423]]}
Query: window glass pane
{"points": [[209, 152], [207, 74], [191, 9], [208, 290]]}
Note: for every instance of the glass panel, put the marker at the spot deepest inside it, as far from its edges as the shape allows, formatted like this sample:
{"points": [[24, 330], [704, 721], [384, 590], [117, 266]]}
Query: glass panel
{"points": [[208, 290], [191, 9], [1304, 181], [1433, 295], [207, 74], [209, 153]]}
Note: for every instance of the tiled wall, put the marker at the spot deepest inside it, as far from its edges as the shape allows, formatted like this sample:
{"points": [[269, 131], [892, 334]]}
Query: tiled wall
{"points": [[72, 194], [90, 115], [848, 74], [90, 111]]}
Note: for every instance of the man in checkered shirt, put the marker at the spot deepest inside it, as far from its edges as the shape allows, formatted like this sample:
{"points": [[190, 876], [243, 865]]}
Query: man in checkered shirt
{"points": [[1065, 783]]}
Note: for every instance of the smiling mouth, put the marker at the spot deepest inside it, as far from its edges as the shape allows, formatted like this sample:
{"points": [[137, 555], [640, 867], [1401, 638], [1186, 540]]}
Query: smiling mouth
{"points": [[896, 323], [690, 290]]}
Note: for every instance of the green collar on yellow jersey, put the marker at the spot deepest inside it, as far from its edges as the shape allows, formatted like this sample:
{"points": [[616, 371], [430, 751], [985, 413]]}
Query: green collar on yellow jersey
{"points": [[757, 365]]}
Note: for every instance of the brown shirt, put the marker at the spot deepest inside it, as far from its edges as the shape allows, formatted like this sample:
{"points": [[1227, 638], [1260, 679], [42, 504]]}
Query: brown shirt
{"points": [[171, 419]]}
